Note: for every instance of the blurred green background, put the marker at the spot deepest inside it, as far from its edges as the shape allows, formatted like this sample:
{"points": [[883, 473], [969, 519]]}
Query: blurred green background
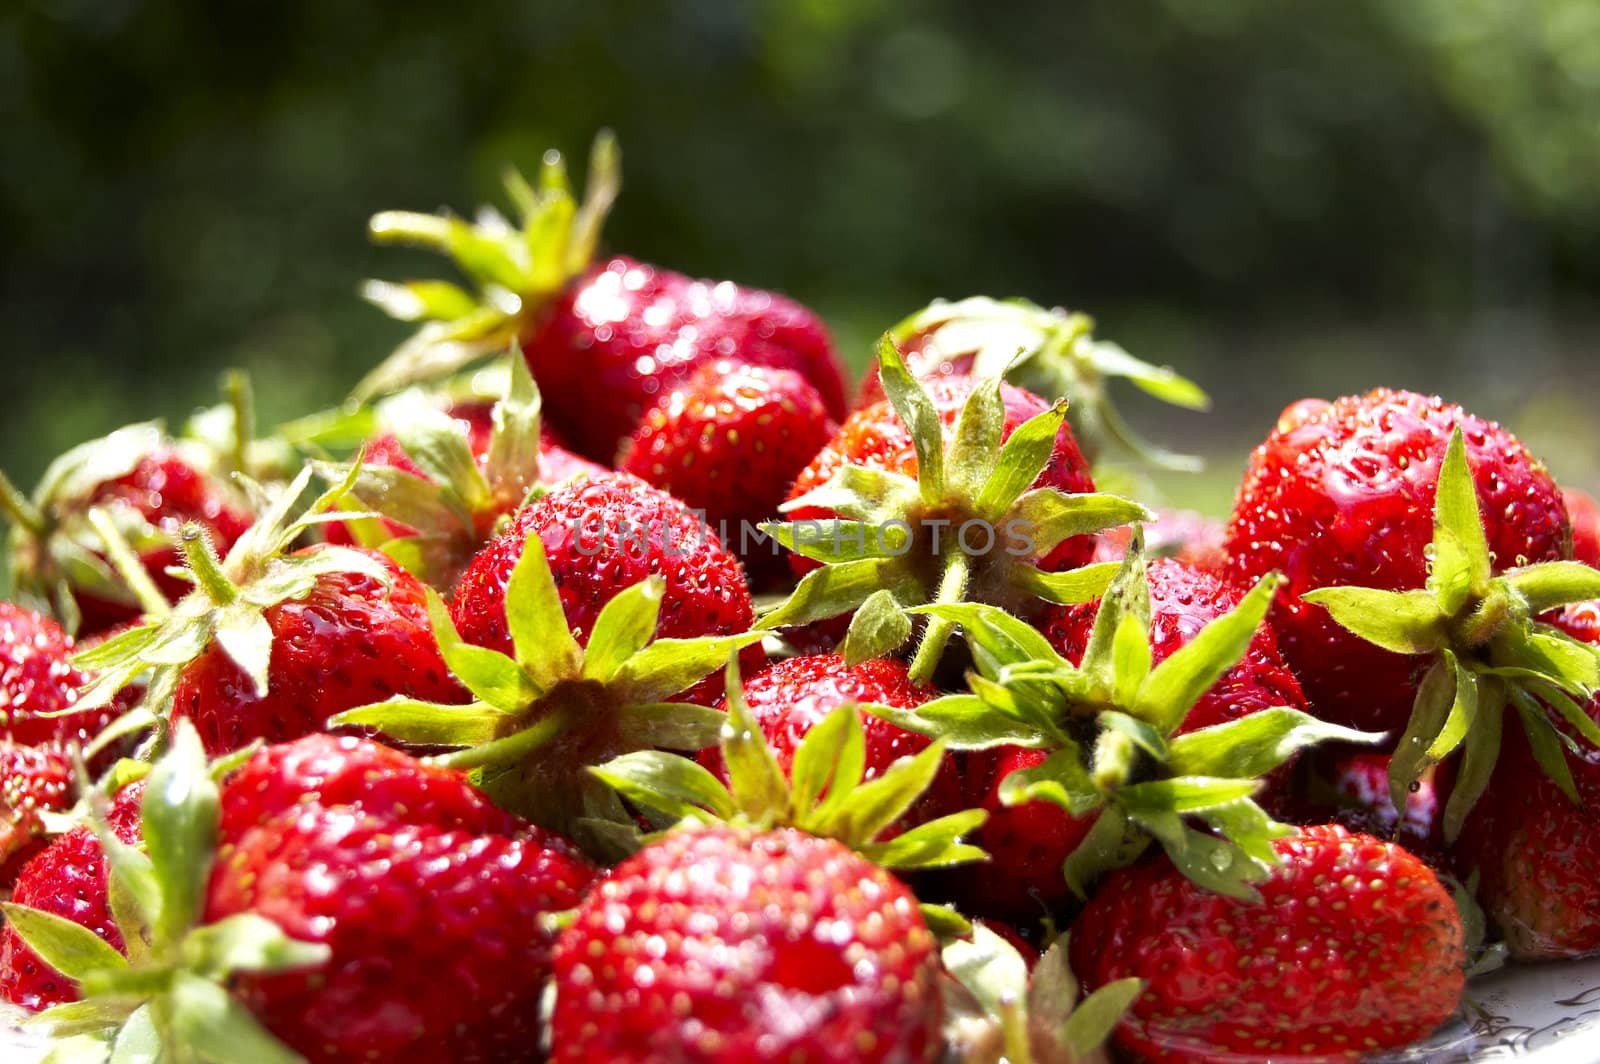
{"points": [[1280, 198]]}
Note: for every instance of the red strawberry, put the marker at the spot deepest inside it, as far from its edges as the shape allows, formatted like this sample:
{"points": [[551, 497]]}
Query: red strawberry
{"points": [[429, 898], [351, 639], [1536, 848], [66, 879], [605, 341], [1344, 496], [33, 780], [730, 944], [790, 697], [1354, 947], [37, 678], [148, 489], [1352, 789], [601, 535], [729, 443], [1585, 515], [1183, 600]]}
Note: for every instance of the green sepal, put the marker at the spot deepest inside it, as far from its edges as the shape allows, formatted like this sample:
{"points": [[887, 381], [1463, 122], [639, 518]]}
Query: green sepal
{"points": [[622, 629], [836, 589], [427, 723], [68, 947], [975, 441], [1022, 458], [491, 676], [1060, 779], [178, 818], [1112, 841], [859, 493], [1545, 743], [834, 541], [911, 401], [248, 942], [935, 844], [542, 642], [989, 967], [668, 783], [1460, 547], [1549, 585], [205, 1018], [1093, 1020], [1405, 622], [511, 466], [1069, 588], [1255, 744], [669, 666], [1052, 516], [879, 628], [1481, 751], [964, 721]]}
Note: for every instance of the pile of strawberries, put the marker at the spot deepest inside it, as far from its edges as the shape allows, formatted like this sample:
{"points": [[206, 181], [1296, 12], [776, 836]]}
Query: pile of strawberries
{"points": [[599, 684]]}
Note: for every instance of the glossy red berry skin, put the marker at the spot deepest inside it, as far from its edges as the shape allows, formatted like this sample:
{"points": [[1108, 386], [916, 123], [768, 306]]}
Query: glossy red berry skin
{"points": [[627, 333], [725, 945], [602, 535], [37, 677], [792, 695], [67, 879], [430, 899], [350, 642], [167, 491], [33, 780], [1342, 494], [1538, 854], [1585, 515], [875, 437], [1354, 947], [729, 443]]}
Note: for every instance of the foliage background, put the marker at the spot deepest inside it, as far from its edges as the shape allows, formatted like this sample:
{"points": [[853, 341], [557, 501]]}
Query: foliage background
{"points": [[1280, 197]]}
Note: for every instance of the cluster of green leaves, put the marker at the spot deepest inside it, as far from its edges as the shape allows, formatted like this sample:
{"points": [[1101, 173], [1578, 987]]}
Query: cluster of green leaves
{"points": [[1488, 649]]}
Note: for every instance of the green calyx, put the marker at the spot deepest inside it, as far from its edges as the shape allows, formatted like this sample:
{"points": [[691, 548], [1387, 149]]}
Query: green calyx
{"points": [[997, 1011], [56, 551], [1054, 352], [515, 269], [1487, 648], [969, 527], [825, 793], [543, 714], [226, 607], [457, 504], [167, 998], [1111, 726]]}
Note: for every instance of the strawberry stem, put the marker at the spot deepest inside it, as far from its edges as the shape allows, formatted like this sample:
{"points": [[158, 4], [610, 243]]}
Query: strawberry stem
{"points": [[206, 567], [512, 748], [952, 589], [128, 566], [1485, 619], [21, 511], [236, 386]]}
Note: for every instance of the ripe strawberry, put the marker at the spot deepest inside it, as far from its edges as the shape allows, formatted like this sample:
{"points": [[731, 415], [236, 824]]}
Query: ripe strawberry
{"points": [[37, 678], [33, 780], [1344, 496], [1534, 840], [791, 696], [604, 341], [67, 879], [1353, 947], [429, 899], [1585, 515], [148, 489], [354, 637], [601, 535], [711, 942], [729, 443], [270, 645], [1047, 351]]}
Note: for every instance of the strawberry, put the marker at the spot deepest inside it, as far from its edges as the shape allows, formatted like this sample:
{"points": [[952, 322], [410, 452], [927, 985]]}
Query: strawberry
{"points": [[1585, 515], [427, 897], [270, 645], [573, 630], [900, 518], [729, 443], [1436, 539], [1344, 495], [447, 481], [1352, 788], [605, 341], [37, 678], [712, 942], [148, 490], [34, 780], [1353, 947], [1191, 538], [1533, 841], [1176, 707], [791, 696], [66, 879], [1049, 352]]}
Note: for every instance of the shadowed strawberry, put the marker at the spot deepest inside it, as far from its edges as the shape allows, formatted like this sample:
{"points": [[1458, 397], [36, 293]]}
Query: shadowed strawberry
{"points": [[1005, 1004], [448, 481], [1152, 730], [1048, 352], [605, 341], [963, 490], [1353, 947], [148, 490], [1338, 785], [1420, 607], [729, 443], [565, 697], [772, 900], [1533, 840], [270, 645], [1584, 513]]}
